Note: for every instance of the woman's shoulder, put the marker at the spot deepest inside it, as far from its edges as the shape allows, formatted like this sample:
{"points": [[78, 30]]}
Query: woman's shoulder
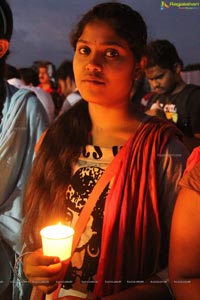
{"points": [[193, 159], [191, 178]]}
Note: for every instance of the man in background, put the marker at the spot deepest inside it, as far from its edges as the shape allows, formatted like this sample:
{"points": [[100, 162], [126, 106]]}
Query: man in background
{"points": [[67, 86], [170, 96]]}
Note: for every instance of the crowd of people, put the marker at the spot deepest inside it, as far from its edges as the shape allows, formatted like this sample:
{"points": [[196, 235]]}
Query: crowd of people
{"points": [[113, 134], [55, 88]]}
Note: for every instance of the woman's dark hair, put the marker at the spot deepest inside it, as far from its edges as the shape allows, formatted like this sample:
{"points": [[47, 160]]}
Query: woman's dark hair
{"points": [[45, 194], [125, 21], [162, 53]]}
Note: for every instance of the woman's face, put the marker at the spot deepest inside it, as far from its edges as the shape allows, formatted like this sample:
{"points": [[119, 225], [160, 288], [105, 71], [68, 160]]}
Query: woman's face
{"points": [[104, 66]]}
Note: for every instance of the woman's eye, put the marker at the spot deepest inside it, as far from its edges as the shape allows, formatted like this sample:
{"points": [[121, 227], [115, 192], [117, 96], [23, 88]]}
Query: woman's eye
{"points": [[84, 50], [112, 53]]}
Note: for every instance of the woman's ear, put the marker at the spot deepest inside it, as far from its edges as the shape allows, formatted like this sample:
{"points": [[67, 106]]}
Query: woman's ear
{"points": [[143, 63], [138, 71], [4, 46]]}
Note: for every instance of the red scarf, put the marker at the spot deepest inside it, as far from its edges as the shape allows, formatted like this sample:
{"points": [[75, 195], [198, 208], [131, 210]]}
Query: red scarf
{"points": [[131, 235]]}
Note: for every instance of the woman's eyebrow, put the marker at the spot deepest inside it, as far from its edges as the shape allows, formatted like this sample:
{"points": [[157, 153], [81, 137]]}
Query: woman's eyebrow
{"points": [[108, 43]]}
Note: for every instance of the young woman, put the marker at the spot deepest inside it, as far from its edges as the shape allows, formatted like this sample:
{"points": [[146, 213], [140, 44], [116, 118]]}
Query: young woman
{"points": [[126, 239]]}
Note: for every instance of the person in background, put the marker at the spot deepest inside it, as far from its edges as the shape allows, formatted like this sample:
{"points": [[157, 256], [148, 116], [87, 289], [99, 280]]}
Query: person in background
{"points": [[28, 78], [178, 101], [46, 75], [22, 120], [123, 250], [67, 85], [48, 82], [12, 75], [30, 81], [11, 72], [184, 258]]}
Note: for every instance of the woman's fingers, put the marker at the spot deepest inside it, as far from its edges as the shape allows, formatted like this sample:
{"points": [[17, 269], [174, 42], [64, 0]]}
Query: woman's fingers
{"points": [[37, 258], [44, 271], [38, 265]]}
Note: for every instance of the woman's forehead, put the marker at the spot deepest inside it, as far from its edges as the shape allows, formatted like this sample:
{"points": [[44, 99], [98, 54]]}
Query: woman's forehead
{"points": [[106, 34]]}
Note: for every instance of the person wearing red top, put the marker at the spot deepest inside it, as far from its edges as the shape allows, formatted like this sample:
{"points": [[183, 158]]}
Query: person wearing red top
{"points": [[48, 82]]}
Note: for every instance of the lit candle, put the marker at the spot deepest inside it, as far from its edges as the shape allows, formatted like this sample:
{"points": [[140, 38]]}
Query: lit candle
{"points": [[57, 241]]}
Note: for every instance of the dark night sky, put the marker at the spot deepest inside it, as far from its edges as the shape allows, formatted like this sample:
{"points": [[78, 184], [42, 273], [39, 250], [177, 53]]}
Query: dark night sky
{"points": [[41, 28]]}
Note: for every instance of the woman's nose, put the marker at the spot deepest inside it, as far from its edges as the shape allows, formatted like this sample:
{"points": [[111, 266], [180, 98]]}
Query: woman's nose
{"points": [[94, 62], [93, 67]]}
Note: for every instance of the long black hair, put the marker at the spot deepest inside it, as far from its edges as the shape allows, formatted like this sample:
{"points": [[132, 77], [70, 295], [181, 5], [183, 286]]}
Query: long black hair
{"points": [[51, 172]]}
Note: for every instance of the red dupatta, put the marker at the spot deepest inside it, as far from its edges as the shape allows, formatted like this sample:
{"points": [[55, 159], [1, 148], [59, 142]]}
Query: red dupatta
{"points": [[130, 245]]}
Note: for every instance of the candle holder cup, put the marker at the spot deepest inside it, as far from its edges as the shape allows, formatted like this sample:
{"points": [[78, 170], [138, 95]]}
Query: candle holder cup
{"points": [[57, 241]]}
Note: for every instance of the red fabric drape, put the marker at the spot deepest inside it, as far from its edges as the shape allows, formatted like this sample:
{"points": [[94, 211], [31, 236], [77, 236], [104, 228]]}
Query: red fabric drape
{"points": [[131, 228]]}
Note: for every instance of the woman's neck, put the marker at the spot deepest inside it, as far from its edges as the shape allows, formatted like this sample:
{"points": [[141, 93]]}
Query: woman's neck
{"points": [[113, 126]]}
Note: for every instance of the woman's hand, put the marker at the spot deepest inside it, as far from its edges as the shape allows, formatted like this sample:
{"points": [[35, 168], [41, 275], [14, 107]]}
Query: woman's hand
{"points": [[42, 271]]}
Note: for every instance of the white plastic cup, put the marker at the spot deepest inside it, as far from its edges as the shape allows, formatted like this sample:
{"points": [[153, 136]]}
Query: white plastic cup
{"points": [[57, 241]]}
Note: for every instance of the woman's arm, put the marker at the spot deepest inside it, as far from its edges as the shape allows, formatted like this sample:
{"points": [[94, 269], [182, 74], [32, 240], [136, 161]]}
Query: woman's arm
{"points": [[184, 259]]}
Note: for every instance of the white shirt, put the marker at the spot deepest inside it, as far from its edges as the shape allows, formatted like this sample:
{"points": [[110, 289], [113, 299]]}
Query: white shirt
{"points": [[44, 97]]}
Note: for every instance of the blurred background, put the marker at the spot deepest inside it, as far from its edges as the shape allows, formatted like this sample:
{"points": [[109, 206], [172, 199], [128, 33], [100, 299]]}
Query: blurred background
{"points": [[42, 27]]}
